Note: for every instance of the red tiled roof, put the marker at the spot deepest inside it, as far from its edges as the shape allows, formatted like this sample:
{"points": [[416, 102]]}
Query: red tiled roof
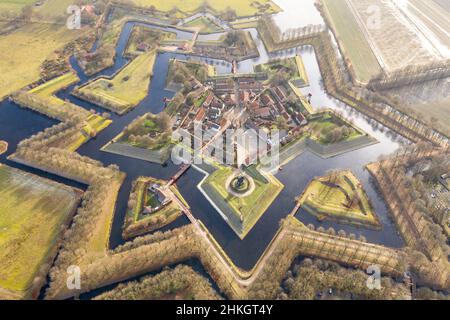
{"points": [[200, 115], [263, 112]]}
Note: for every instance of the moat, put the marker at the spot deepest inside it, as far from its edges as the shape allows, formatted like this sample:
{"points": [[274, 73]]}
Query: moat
{"points": [[17, 124]]}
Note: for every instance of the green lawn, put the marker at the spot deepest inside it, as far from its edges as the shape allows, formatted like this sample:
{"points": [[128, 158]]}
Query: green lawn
{"points": [[243, 212], [340, 197], [322, 129], [32, 212], [356, 47], [199, 102]]}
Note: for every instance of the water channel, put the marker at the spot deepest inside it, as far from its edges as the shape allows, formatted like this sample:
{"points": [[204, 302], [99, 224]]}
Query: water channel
{"points": [[17, 124]]}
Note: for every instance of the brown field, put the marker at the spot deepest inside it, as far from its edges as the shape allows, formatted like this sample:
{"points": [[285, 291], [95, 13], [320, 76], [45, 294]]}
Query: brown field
{"points": [[352, 40], [395, 44]]}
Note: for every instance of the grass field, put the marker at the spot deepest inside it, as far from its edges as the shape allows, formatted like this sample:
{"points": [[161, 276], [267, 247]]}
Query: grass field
{"points": [[437, 112], [54, 9], [340, 197], [49, 88], [246, 209], [31, 45], [14, 7], [242, 7], [32, 211], [322, 129], [356, 47], [126, 89]]}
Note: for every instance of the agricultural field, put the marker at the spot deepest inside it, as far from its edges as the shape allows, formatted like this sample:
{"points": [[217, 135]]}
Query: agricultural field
{"points": [[33, 211], [54, 10], [352, 39], [339, 196], [428, 101], [31, 44], [444, 4], [398, 42], [242, 212], [436, 113], [242, 7], [13, 7], [125, 90], [436, 20]]}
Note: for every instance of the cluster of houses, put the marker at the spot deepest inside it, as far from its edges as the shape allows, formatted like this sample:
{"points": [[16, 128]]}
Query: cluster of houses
{"points": [[209, 113], [268, 106], [222, 52], [262, 107]]}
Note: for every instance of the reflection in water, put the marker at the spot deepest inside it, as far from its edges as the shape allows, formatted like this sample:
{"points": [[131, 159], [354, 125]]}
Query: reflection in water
{"points": [[297, 14], [296, 175]]}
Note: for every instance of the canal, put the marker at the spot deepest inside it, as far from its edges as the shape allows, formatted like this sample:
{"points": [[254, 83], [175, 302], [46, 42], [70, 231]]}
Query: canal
{"points": [[17, 124]]}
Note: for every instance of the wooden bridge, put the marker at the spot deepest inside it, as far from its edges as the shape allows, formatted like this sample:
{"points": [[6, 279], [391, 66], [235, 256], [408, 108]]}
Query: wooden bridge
{"points": [[183, 169]]}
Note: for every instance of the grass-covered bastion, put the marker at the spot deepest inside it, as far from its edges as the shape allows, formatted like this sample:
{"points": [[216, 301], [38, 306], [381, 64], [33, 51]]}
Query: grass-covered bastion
{"points": [[125, 90], [241, 204], [339, 196], [292, 69], [147, 138], [144, 39]]}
